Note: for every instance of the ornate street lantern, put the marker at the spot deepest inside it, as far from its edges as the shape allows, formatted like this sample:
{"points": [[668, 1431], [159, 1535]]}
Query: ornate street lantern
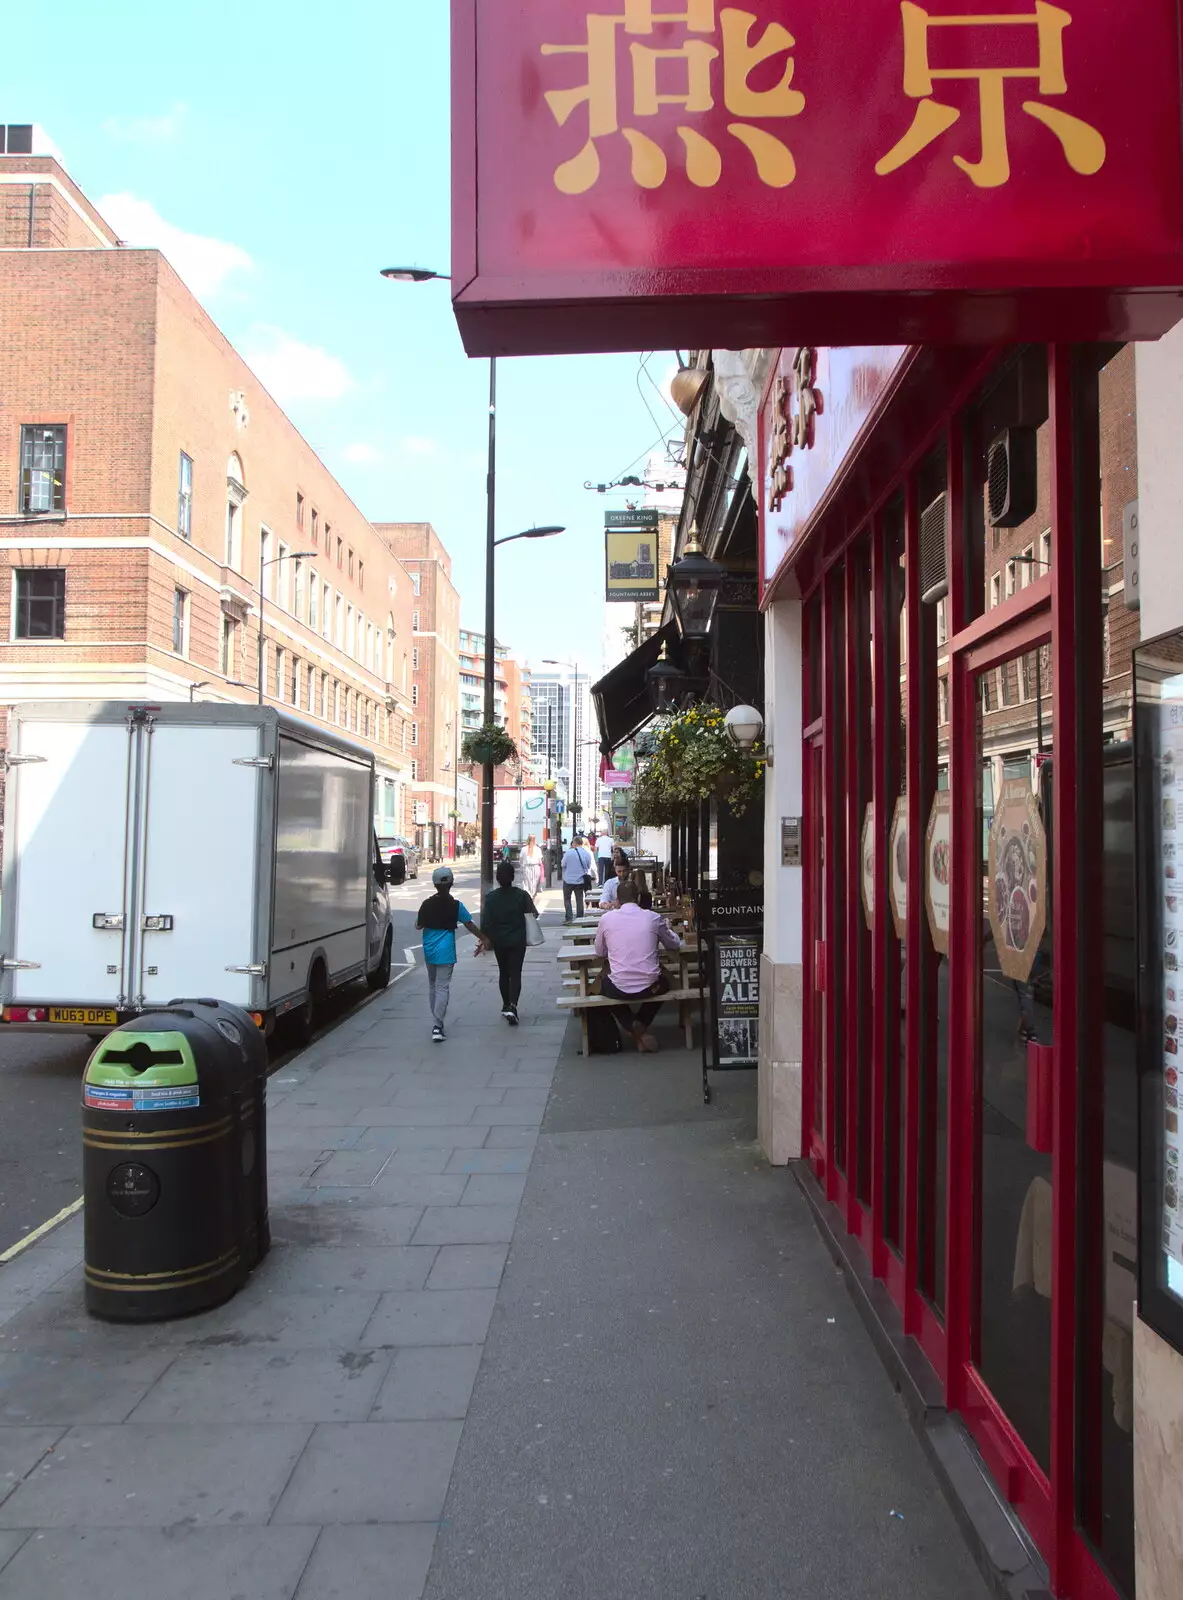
{"points": [[694, 583], [666, 682]]}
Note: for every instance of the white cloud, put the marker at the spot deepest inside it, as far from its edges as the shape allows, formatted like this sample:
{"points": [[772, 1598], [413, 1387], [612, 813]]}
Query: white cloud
{"points": [[293, 370], [147, 130], [417, 444], [204, 263], [361, 454]]}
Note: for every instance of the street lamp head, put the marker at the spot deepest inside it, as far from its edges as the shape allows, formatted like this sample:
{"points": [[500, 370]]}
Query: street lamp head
{"points": [[414, 274], [548, 531], [694, 585], [743, 725]]}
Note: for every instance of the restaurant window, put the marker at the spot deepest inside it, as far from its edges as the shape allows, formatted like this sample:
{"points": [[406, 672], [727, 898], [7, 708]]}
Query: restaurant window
{"points": [[39, 611], [892, 880], [43, 469], [185, 497]]}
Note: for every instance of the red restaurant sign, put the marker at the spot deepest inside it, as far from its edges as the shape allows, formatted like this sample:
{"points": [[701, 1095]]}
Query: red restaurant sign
{"points": [[644, 173]]}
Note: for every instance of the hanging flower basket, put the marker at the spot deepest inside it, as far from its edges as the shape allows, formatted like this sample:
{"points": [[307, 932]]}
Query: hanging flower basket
{"points": [[488, 745], [694, 760]]}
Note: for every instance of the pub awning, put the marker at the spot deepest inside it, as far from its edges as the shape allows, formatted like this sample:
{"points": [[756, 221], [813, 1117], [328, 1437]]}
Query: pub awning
{"points": [[621, 697]]}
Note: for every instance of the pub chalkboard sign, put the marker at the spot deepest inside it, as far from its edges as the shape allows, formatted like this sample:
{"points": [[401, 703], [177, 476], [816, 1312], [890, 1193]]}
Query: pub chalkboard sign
{"points": [[731, 935]]}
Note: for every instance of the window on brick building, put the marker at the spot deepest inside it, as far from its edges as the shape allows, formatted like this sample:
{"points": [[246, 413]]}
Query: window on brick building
{"points": [[43, 469], [282, 579], [415, 621], [414, 694], [280, 661], [313, 600], [229, 650], [339, 623], [414, 733], [39, 611], [414, 772], [361, 574], [185, 497], [326, 620], [180, 622], [415, 658], [315, 521], [415, 580], [351, 563], [340, 549], [235, 498], [299, 509], [350, 633], [296, 676], [299, 587]]}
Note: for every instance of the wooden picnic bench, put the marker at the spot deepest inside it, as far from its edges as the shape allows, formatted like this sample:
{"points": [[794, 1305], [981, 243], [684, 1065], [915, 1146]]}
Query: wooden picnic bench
{"points": [[580, 962]]}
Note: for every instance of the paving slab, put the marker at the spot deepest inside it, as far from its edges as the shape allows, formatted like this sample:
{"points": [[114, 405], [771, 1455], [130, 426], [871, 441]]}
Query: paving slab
{"points": [[266, 1385], [513, 1160], [152, 1474], [431, 1316], [493, 1189], [63, 1390], [468, 1266], [371, 1472], [432, 1383], [10, 1543], [452, 1136], [361, 1268], [20, 1451], [369, 1563], [175, 1563], [318, 1223], [467, 1225]]}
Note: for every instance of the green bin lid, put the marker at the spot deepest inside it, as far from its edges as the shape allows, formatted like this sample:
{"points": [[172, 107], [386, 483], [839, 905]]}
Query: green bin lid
{"points": [[148, 1060]]}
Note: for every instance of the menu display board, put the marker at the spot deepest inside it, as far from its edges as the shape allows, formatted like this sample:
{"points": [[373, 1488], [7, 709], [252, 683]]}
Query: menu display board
{"points": [[898, 853], [1158, 738], [868, 864], [937, 863], [1017, 878], [730, 926]]}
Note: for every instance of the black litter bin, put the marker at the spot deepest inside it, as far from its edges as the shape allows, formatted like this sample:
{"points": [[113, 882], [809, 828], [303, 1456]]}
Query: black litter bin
{"points": [[174, 1161]]}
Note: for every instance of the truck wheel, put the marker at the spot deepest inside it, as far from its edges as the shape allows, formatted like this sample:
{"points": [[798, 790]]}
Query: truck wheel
{"points": [[304, 1017], [380, 977]]}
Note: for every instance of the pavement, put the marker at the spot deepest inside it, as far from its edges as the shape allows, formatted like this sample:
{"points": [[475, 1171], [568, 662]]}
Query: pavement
{"points": [[530, 1325]]}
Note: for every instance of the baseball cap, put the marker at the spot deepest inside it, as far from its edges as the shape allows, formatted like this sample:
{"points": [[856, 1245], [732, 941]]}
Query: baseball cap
{"points": [[441, 876]]}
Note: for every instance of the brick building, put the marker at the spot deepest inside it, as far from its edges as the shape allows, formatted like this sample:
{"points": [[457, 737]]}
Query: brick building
{"points": [[435, 671], [146, 476]]}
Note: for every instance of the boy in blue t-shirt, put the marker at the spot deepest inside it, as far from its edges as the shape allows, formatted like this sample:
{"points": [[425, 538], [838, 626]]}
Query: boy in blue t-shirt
{"points": [[438, 917]]}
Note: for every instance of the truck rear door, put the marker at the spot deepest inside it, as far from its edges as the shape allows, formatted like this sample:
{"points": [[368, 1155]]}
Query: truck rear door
{"points": [[195, 910], [68, 843]]}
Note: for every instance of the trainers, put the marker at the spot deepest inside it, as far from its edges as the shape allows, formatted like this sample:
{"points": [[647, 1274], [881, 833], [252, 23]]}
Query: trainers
{"points": [[511, 1016], [437, 1034], [508, 1011]]}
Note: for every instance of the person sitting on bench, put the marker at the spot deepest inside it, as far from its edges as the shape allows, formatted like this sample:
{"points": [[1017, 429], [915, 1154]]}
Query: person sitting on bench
{"points": [[629, 938]]}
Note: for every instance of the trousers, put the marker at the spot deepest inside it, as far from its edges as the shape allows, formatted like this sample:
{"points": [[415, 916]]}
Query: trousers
{"points": [[624, 1014], [509, 972], [570, 889], [604, 863], [439, 987]]}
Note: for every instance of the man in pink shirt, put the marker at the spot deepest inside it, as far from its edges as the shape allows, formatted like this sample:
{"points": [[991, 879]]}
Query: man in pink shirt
{"points": [[629, 938]]}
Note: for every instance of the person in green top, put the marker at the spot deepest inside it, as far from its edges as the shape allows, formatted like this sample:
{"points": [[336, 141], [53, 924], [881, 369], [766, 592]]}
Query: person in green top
{"points": [[503, 925]]}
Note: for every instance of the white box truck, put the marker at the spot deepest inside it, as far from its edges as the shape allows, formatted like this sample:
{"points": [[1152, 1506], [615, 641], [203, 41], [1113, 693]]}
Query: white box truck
{"points": [[159, 852]]}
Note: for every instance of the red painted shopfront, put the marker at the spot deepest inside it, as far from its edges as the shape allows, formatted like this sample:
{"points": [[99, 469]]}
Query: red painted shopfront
{"points": [[970, 1098]]}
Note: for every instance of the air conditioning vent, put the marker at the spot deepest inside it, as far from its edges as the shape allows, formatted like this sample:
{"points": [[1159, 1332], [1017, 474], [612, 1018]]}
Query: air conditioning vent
{"points": [[1012, 472], [934, 568]]}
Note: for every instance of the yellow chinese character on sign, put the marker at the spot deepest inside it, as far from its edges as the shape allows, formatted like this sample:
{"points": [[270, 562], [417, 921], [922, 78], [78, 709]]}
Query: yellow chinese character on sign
{"points": [[1083, 146], [692, 65]]}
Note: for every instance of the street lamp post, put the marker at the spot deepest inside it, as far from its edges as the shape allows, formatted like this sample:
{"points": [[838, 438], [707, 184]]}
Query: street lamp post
{"points": [[288, 555], [426, 275]]}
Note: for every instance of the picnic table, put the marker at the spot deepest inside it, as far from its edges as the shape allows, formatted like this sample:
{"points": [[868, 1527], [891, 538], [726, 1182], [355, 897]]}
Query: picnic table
{"points": [[584, 965]]}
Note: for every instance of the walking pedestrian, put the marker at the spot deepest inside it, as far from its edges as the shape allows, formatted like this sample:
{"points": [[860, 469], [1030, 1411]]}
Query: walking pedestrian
{"points": [[604, 856], [438, 917], [577, 869], [503, 925], [530, 862], [629, 938]]}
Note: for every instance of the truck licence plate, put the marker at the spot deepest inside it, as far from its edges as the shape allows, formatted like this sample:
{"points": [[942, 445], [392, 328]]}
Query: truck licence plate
{"points": [[86, 1016]]}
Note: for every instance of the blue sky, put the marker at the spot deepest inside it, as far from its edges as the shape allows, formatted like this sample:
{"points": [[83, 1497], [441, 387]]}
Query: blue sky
{"points": [[298, 148]]}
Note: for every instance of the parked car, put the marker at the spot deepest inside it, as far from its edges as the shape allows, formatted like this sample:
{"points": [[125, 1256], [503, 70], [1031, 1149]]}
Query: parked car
{"points": [[400, 857]]}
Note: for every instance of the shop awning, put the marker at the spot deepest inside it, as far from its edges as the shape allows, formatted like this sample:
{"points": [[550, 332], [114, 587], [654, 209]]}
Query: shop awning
{"points": [[621, 697]]}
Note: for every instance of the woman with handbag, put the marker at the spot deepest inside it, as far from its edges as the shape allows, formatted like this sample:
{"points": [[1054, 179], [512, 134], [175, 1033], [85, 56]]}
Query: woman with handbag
{"points": [[531, 865], [506, 924]]}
